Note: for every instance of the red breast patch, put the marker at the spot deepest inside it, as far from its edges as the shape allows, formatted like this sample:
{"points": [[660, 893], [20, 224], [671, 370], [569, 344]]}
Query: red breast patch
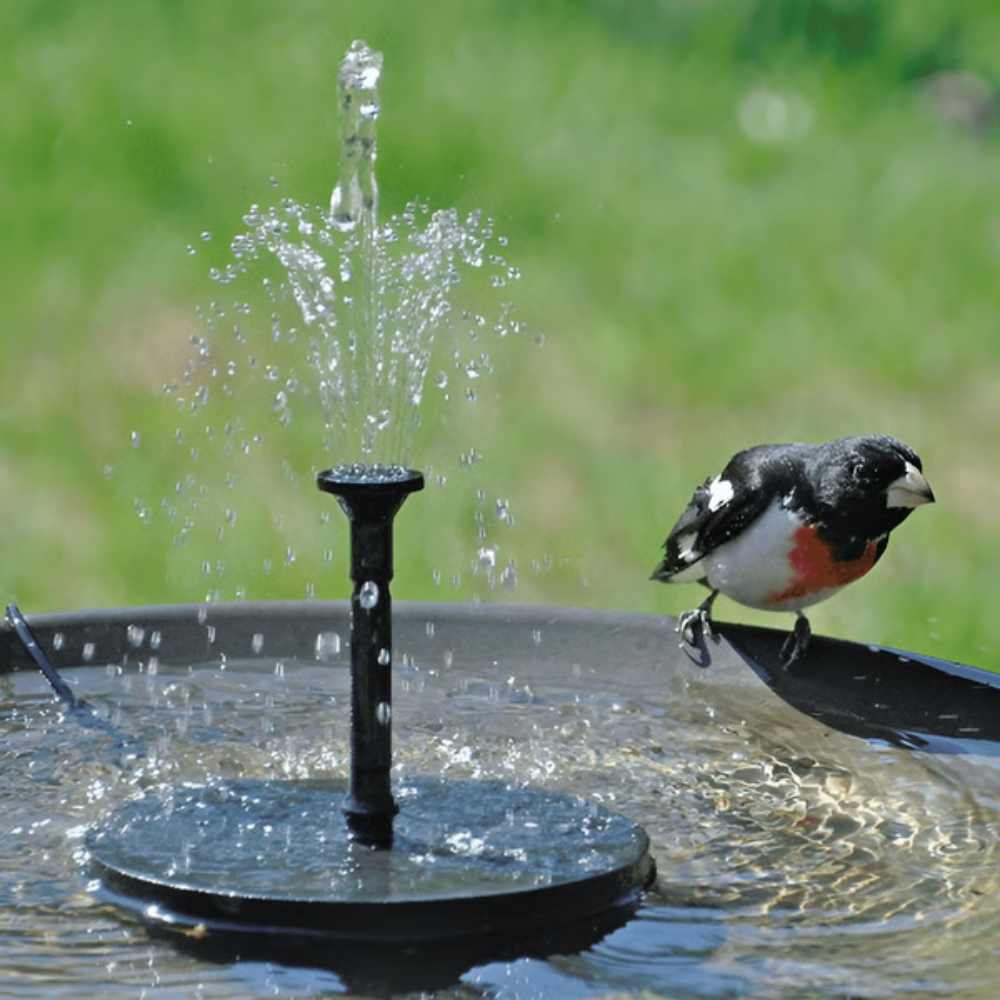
{"points": [[814, 568]]}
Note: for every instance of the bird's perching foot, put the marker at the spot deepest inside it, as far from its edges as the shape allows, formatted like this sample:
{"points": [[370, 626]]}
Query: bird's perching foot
{"points": [[797, 643], [694, 627]]}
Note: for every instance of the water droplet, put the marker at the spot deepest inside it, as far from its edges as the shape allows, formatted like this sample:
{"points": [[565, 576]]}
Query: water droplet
{"points": [[384, 657], [136, 634], [136, 439], [327, 645], [368, 595], [257, 642], [383, 713], [206, 236], [88, 652]]}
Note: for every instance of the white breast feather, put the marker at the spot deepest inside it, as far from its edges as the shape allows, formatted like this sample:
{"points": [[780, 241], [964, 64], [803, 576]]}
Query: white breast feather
{"points": [[754, 565]]}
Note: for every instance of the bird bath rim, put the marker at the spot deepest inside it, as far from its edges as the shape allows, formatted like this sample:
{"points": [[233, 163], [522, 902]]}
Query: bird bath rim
{"points": [[904, 698]]}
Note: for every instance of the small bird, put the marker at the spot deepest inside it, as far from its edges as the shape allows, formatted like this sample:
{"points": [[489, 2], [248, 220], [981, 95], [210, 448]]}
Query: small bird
{"points": [[785, 526]]}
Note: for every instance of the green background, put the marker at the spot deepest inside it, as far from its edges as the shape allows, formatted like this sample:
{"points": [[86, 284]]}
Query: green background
{"points": [[735, 223]]}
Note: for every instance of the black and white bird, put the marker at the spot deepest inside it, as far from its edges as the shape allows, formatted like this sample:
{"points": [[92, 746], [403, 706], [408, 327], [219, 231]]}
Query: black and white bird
{"points": [[785, 526]]}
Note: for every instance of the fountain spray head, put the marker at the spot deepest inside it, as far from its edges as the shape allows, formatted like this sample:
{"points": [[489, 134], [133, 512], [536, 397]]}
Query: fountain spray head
{"points": [[371, 496]]}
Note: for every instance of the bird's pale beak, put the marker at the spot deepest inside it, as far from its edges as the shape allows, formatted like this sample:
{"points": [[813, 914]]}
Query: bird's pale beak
{"points": [[910, 490]]}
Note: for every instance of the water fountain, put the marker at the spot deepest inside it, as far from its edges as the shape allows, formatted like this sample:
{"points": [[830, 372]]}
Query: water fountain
{"points": [[486, 869], [814, 830]]}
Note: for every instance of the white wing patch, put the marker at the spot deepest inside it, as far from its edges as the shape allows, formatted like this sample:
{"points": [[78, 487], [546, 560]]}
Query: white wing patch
{"points": [[685, 547], [691, 557], [720, 492]]}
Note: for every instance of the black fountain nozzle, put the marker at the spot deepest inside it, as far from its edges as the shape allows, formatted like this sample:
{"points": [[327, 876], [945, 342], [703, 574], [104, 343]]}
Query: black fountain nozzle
{"points": [[371, 496]]}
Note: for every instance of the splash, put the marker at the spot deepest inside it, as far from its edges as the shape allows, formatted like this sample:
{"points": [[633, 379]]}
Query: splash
{"points": [[318, 350], [374, 296]]}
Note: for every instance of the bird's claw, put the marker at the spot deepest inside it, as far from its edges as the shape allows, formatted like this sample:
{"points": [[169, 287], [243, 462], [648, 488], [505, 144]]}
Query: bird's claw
{"points": [[797, 644], [694, 628]]}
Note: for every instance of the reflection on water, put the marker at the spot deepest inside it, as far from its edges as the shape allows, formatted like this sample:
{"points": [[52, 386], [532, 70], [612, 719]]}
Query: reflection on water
{"points": [[793, 860]]}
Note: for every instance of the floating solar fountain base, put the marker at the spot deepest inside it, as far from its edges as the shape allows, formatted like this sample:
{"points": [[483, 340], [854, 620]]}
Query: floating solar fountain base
{"points": [[249, 868]]}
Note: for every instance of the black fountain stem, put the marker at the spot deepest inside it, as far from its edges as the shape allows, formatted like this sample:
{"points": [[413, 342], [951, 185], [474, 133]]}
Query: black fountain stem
{"points": [[371, 500]]}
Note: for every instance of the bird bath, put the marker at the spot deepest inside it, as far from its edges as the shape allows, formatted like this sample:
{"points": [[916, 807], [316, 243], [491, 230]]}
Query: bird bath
{"points": [[819, 832], [792, 857]]}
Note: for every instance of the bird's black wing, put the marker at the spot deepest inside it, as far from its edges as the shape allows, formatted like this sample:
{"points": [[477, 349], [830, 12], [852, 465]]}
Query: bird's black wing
{"points": [[755, 477]]}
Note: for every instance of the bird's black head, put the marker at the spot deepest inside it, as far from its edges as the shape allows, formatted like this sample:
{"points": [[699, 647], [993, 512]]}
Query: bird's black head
{"points": [[868, 485]]}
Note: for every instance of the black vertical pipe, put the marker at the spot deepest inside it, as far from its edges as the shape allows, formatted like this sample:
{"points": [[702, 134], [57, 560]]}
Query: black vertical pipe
{"points": [[371, 500]]}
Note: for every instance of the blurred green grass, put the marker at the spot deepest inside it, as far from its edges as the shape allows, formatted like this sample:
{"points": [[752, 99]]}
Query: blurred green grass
{"points": [[734, 224]]}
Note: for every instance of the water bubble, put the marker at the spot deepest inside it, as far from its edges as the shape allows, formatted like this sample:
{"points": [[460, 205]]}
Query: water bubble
{"points": [[368, 595]]}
